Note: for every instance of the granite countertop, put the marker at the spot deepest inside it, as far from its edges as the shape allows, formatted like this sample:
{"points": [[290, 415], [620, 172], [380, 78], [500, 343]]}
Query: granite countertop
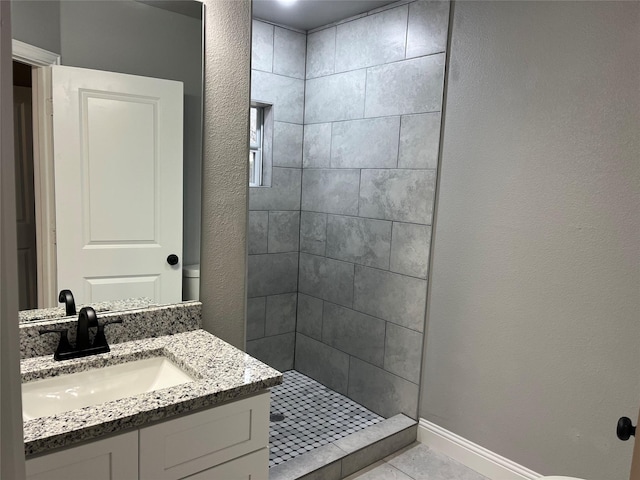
{"points": [[222, 373]]}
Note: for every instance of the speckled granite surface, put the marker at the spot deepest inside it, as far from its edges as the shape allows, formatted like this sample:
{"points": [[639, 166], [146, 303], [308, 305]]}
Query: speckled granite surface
{"points": [[60, 312], [222, 371], [136, 325]]}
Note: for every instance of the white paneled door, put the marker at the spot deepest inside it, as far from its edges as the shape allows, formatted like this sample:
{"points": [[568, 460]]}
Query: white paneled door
{"points": [[118, 184]]}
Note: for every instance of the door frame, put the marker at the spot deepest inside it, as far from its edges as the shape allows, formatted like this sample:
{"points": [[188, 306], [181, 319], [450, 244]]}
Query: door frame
{"points": [[43, 167]]}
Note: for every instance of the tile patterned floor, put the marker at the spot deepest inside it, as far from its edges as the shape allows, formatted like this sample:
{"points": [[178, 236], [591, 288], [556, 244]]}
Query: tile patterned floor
{"points": [[314, 415], [417, 462]]}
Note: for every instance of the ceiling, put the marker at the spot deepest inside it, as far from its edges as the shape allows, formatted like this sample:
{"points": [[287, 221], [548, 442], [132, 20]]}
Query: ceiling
{"points": [[310, 14]]}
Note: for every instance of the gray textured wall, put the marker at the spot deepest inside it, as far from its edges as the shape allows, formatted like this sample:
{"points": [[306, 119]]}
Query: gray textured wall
{"points": [[12, 451], [277, 78], [223, 269], [37, 23], [533, 321], [372, 121]]}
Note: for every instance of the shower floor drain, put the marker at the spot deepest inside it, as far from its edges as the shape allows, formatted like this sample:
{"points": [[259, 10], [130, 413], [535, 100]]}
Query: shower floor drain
{"points": [[276, 417]]}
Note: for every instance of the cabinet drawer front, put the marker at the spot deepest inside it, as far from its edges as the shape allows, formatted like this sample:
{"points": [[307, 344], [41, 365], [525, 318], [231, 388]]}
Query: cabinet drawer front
{"points": [[114, 458], [177, 448], [254, 466]]}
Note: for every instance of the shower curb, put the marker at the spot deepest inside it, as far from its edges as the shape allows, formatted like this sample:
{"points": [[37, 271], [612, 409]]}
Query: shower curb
{"points": [[343, 457]]}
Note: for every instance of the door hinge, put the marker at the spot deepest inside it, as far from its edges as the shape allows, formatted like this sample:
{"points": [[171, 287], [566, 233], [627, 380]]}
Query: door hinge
{"points": [[49, 106]]}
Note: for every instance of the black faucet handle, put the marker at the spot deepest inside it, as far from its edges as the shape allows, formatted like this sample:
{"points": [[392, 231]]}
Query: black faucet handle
{"points": [[66, 297], [101, 339], [64, 347]]}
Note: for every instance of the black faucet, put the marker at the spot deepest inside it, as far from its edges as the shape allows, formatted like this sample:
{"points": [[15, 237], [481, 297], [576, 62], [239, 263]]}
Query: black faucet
{"points": [[66, 297], [86, 319], [84, 347]]}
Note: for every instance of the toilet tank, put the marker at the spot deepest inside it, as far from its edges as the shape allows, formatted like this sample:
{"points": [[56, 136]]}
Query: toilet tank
{"points": [[191, 282]]}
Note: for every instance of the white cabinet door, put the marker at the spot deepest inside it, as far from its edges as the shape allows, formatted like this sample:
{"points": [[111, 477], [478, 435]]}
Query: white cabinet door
{"points": [[254, 466], [194, 443], [118, 184], [114, 458]]}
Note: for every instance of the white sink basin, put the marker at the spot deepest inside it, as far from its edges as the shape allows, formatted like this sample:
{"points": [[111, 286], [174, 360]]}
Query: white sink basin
{"points": [[54, 395]]}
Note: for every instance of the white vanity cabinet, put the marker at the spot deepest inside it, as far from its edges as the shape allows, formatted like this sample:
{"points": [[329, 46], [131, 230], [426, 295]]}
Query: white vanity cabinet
{"points": [[113, 458], [227, 442]]}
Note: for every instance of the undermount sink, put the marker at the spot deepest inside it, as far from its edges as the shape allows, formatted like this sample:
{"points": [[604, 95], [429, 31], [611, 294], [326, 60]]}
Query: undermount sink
{"points": [[55, 395]]}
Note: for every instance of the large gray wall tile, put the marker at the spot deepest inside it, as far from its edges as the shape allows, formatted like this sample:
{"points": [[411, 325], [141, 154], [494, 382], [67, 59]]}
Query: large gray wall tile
{"points": [[355, 333], [380, 391], [283, 194], [284, 231], [287, 145], [330, 191], [325, 278], [255, 317], [396, 298], [276, 351], [402, 195], [369, 143], [258, 228], [262, 46], [321, 463], [403, 352], [359, 240], [281, 314], [375, 433], [313, 232], [289, 52], [411, 86], [335, 97], [272, 274], [380, 471], [322, 363], [366, 456], [321, 52], [316, 151], [428, 25], [286, 94], [419, 141], [309, 320], [410, 249], [372, 40]]}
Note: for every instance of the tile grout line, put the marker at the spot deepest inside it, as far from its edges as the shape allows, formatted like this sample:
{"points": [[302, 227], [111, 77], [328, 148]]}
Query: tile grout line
{"points": [[378, 65], [374, 117]]}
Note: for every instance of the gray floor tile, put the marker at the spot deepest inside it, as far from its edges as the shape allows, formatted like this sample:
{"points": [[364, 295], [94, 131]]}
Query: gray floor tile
{"points": [[380, 471], [422, 463]]}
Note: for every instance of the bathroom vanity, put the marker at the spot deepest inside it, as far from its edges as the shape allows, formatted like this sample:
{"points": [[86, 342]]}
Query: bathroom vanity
{"points": [[214, 424]]}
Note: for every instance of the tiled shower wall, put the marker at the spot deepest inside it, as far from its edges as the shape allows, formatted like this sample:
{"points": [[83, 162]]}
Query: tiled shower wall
{"points": [[371, 131], [277, 79], [354, 153]]}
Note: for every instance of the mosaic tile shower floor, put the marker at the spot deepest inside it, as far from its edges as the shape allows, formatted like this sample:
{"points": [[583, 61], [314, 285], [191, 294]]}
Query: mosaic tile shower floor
{"points": [[314, 415]]}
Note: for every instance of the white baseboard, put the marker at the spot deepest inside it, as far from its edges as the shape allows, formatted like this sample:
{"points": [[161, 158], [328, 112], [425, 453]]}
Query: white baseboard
{"points": [[483, 461]]}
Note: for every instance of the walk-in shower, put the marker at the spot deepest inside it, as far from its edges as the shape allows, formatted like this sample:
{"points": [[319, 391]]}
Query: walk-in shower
{"points": [[344, 155]]}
